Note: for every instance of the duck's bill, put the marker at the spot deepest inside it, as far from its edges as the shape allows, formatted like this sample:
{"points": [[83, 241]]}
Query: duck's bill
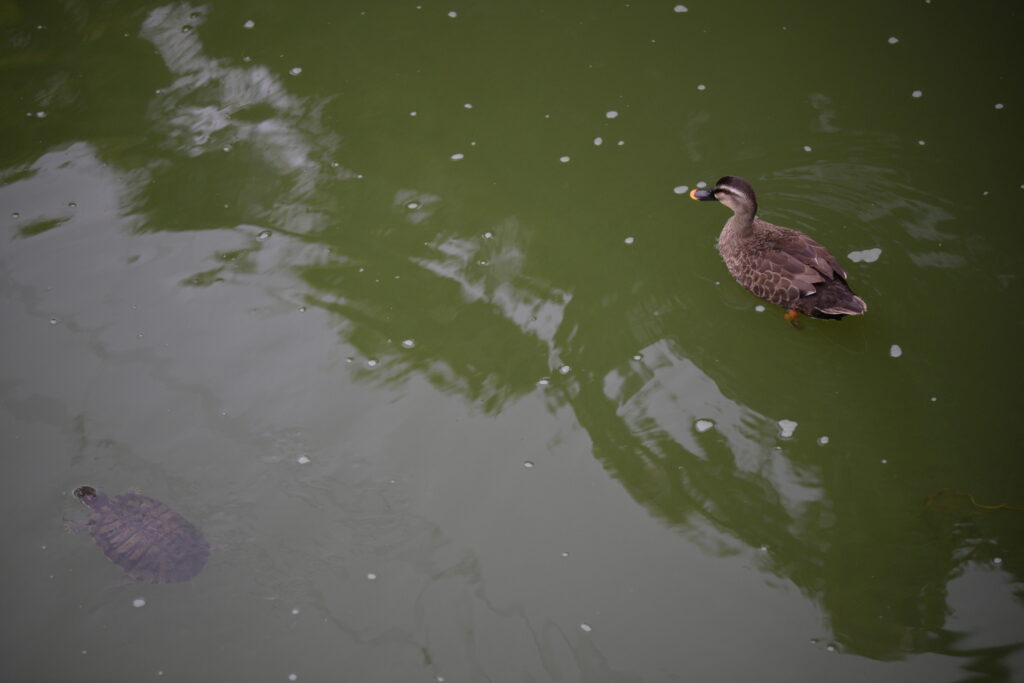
{"points": [[702, 195]]}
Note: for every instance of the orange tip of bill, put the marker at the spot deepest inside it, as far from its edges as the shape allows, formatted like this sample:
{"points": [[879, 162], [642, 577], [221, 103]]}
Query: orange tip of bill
{"points": [[693, 194]]}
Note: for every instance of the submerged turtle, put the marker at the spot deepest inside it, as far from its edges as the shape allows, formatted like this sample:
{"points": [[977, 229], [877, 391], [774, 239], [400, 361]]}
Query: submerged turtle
{"points": [[150, 541]]}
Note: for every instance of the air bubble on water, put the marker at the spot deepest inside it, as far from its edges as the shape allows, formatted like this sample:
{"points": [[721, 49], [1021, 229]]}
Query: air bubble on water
{"points": [[611, 114], [295, 610], [916, 94], [807, 148], [702, 184], [999, 105], [408, 343], [543, 382], [186, 28], [226, 148], [453, 14], [895, 351], [140, 335], [564, 159], [528, 464], [701, 86], [997, 560], [303, 460], [620, 143], [467, 105], [295, 70], [893, 40], [263, 235], [40, 114], [681, 189], [786, 428], [586, 628], [139, 602], [759, 308], [638, 356], [822, 440], [920, 142], [488, 235], [412, 205], [15, 215], [564, 370], [72, 205], [302, 309], [679, 9], [249, 24], [763, 548], [54, 321], [564, 554], [629, 240], [371, 576], [598, 141], [934, 398], [885, 461], [704, 425], [457, 156], [371, 363], [293, 677]]}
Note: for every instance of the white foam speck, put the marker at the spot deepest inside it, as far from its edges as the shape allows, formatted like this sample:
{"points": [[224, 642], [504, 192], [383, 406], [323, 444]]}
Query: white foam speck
{"points": [[371, 363], [295, 610], [488, 235], [458, 156], [303, 460], [701, 86], [807, 148], [412, 113], [916, 93], [620, 143], [139, 602], [564, 159], [893, 40], [679, 9], [822, 440], [564, 370], [295, 70], [999, 105], [681, 189], [543, 382], [249, 24], [408, 343], [704, 425], [586, 627], [895, 351], [453, 14], [528, 465], [786, 428], [759, 308], [702, 184], [629, 240], [371, 576], [293, 677], [865, 256], [598, 141], [920, 142], [611, 114], [467, 105]]}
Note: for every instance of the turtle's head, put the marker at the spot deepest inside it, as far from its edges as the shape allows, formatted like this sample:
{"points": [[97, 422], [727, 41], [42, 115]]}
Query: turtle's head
{"points": [[87, 495]]}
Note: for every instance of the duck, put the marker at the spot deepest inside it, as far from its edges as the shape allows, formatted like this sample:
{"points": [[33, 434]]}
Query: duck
{"points": [[783, 266]]}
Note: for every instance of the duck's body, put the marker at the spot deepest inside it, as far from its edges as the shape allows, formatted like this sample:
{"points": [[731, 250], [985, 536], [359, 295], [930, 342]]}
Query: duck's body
{"points": [[781, 265]]}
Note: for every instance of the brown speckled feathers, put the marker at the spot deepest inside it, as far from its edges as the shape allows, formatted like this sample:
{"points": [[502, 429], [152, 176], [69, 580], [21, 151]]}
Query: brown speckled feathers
{"points": [[782, 266]]}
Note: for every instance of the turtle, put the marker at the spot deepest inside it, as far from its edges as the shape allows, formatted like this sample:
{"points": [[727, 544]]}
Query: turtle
{"points": [[151, 542]]}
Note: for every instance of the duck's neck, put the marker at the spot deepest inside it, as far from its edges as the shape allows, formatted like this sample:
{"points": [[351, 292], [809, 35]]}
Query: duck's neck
{"points": [[741, 224]]}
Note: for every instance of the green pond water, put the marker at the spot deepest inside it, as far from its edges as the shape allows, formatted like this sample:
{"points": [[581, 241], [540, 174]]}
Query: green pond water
{"points": [[404, 304]]}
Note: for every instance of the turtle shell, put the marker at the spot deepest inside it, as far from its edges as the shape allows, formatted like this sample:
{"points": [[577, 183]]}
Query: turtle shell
{"points": [[151, 542]]}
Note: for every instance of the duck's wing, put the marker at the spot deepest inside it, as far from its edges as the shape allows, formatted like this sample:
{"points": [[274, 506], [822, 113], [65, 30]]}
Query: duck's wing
{"points": [[804, 261]]}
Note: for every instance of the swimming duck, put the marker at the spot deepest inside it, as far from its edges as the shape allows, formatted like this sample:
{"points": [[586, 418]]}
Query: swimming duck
{"points": [[781, 265]]}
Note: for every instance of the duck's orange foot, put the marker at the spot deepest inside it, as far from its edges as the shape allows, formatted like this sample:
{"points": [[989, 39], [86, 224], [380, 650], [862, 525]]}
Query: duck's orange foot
{"points": [[791, 315]]}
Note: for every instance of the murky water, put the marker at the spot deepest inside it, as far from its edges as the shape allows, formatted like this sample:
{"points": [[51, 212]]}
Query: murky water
{"points": [[406, 307]]}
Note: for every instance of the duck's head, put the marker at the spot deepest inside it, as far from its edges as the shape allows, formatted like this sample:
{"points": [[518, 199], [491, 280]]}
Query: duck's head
{"points": [[734, 192]]}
